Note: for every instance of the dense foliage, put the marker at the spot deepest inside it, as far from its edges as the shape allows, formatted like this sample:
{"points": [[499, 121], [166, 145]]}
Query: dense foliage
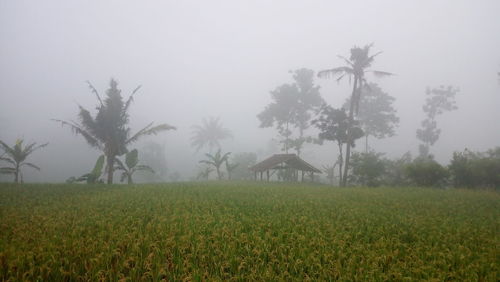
{"points": [[291, 110], [424, 171], [469, 169], [246, 231], [108, 131], [367, 169]]}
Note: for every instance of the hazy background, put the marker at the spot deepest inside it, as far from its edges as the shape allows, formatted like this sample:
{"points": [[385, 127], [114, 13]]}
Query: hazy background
{"points": [[221, 58]]}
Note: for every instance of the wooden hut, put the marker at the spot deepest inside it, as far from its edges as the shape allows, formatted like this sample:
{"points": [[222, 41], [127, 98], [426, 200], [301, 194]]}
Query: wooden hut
{"points": [[289, 164]]}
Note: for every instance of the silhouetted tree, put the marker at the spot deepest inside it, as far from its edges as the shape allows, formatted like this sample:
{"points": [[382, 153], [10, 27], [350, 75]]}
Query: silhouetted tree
{"points": [[376, 116], [292, 108], [335, 125], [356, 67], [439, 100], [16, 156], [209, 134], [108, 131], [216, 160]]}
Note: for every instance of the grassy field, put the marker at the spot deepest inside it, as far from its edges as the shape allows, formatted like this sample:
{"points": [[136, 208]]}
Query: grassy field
{"points": [[247, 231]]}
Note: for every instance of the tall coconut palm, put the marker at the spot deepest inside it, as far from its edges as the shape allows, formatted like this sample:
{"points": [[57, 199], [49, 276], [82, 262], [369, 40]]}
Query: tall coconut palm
{"points": [[108, 131], [216, 160], [209, 134], [356, 67], [16, 156]]}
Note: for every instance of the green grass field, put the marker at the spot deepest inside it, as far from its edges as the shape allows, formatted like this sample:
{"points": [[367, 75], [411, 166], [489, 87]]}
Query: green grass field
{"points": [[247, 231]]}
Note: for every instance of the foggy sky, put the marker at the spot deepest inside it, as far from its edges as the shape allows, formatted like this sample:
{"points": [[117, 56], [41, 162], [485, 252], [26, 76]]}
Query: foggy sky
{"points": [[197, 59]]}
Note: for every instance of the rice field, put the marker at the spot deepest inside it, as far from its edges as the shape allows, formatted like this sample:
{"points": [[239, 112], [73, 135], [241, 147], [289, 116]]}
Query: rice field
{"points": [[246, 231]]}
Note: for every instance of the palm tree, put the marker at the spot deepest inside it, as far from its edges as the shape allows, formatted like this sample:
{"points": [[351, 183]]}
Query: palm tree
{"points": [[131, 165], [209, 134], [356, 67], [108, 131], [216, 161], [17, 156]]}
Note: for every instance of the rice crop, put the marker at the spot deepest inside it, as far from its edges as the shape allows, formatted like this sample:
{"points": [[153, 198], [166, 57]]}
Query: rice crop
{"points": [[246, 231]]}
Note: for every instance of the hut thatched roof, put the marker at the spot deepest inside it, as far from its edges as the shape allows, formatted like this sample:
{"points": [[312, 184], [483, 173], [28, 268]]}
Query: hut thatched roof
{"points": [[284, 161]]}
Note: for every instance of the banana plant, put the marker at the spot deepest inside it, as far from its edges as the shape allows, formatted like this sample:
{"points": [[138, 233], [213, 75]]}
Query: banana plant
{"points": [[204, 173], [93, 176], [216, 161], [131, 165]]}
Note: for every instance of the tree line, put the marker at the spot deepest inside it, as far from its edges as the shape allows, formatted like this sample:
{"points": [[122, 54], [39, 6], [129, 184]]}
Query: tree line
{"points": [[295, 107]]}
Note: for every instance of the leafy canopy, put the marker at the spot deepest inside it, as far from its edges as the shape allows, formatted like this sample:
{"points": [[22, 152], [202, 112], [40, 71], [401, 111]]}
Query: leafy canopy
{"points": [[209, 134]]}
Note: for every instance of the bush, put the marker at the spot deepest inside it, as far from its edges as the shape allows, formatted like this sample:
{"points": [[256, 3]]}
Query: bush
{"points": [[395, 171], [367, 168], [426, 172], [472, 170]]}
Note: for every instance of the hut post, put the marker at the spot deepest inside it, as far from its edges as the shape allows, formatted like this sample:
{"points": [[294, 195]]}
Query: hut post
{"points": [[267, 172], [302, 176]]}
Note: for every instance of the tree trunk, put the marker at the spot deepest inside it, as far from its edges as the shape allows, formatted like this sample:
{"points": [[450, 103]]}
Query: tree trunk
{"points": [[340, 162], [218, 173], [351, 120], [111, 170], [129, 179], [299, 145], [286, 139], [16, 174], [366, 143]]}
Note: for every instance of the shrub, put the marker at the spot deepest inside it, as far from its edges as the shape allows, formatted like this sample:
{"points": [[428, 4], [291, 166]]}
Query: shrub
{"points": [[472, 170], [395, 171], [426, 172], [367, 168]]}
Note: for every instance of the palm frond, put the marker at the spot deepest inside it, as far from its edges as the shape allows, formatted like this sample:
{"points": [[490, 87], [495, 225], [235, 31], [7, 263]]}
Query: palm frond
{"points": [[7, 170], [120, 164], [94, 90], [31, 165], [372, 57], [335, 71], [8, 150], [87, 121], [9, 160], [131, 99], [76, 128], [381, 73], [144, 168], [207, 162], [149, 130], [347, 61], [32, 147]]}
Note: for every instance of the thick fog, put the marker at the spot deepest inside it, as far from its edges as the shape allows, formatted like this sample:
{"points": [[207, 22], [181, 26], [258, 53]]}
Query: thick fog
{"points": [[199, 59]]}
